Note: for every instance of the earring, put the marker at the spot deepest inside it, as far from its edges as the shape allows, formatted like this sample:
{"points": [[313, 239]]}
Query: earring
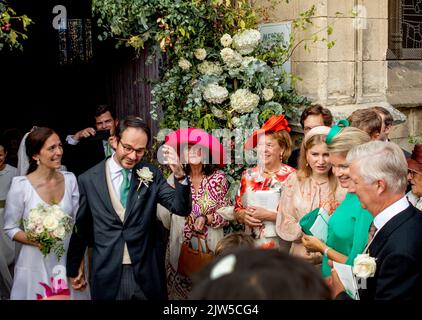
{"points": [[38, 162]]}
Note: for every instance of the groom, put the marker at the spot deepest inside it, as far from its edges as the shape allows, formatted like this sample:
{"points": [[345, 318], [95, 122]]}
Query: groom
{"points": [[378, 171], [117, 216]]}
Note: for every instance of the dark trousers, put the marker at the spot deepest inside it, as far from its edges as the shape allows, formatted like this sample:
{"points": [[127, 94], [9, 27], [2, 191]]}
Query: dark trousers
{"points": [[129, 288]]}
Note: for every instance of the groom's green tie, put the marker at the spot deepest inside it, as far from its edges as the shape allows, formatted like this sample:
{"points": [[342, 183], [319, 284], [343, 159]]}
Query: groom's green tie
{"points": [[124, 187]]}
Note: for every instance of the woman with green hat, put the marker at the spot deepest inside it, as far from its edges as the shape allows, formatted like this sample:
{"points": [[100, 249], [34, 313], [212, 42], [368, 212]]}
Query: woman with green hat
{"points": [[349, 225]]}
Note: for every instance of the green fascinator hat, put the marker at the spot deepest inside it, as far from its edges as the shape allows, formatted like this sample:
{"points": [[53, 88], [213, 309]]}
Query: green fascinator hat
{"points": [[338, 126]]}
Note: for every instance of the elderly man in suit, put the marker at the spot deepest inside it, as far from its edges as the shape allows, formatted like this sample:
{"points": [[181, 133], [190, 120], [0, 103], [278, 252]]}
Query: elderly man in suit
{"points": [[378, 171], [117, 215]]}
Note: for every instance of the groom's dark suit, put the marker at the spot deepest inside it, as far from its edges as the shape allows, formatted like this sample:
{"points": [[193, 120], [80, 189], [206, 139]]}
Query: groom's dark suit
{"points": [[397, 248], [97, 221]]}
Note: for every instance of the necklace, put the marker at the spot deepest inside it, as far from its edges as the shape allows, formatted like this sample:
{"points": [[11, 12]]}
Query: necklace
{"points": [[272, 172]]}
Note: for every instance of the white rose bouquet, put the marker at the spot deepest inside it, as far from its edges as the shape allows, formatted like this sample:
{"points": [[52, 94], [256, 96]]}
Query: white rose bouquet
{"points": [[48, 226]]}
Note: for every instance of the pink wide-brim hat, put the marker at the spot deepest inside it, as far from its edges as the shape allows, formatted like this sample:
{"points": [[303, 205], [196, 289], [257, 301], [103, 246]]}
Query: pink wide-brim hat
{"points": [[196, 136]]}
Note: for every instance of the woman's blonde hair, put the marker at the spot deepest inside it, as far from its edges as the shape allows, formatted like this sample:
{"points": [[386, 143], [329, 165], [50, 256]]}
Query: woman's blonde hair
{"points": [[284, 141], [346, 139], [304, 169]]}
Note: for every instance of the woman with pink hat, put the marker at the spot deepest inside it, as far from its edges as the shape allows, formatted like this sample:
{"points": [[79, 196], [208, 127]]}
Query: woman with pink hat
{"points": [[312, 186], [414, 164], [202, 153], [260, 187]]}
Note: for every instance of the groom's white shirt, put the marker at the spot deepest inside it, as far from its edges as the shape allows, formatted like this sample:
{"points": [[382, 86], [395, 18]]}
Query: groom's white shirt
{"points": [[116, 174]]}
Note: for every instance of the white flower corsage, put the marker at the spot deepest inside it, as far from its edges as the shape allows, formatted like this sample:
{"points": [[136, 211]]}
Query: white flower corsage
{"points": [[145, 177], [364, 266]]}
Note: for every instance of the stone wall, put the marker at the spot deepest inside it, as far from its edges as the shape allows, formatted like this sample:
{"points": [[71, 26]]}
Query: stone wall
{"points": [[354, 74]]}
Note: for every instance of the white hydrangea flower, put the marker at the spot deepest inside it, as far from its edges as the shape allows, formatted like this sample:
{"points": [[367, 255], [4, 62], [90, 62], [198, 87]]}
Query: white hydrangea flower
{"points": [[184, 64], [230, 57], [213, 93], [246, 41], [200, 54], [246, 60], [210, 68], [267, 94], [226, 40], [244, 101]]}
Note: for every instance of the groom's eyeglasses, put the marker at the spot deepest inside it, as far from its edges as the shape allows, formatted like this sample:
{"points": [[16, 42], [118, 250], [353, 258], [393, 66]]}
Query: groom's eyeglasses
{"points": [[128, 149]]}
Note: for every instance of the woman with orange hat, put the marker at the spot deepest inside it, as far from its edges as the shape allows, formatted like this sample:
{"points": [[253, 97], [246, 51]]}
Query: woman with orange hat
{"points": [[264, 182], [414, 164], [202, 154]]}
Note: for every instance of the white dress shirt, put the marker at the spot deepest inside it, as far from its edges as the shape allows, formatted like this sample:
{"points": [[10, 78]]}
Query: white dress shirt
{"points": [[116, 174], [389, 213]]}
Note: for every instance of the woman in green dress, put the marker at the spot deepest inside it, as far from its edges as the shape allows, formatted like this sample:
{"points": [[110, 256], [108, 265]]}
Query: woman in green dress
{"points": [[349, 225]]}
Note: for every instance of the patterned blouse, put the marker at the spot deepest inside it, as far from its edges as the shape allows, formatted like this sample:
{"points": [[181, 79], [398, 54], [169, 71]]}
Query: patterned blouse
{"points": [[210, 197], [252, 180]]}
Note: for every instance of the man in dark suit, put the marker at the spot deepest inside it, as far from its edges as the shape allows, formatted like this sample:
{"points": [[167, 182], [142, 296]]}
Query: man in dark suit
{"points": [[379, 174], [90, 146], [119, 218]]}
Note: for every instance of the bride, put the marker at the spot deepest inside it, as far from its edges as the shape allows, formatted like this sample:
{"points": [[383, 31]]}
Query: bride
{"points": [[36, 276]]}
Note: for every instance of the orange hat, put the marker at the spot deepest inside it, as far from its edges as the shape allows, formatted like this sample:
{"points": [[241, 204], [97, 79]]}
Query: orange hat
{"points": [[273, 124]]}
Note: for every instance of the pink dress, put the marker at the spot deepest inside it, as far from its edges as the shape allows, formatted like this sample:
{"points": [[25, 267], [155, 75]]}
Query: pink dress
{"points": [[297, 199]]}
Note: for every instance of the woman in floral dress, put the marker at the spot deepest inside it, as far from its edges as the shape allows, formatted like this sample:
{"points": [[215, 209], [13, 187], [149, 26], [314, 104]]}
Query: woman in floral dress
{"points": [[273, 150], [209, 188]]}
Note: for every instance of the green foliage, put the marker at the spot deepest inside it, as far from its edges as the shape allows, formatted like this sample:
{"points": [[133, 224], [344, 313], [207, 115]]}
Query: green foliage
{"points": [[178, 29], [12, 28], [417, 139]]}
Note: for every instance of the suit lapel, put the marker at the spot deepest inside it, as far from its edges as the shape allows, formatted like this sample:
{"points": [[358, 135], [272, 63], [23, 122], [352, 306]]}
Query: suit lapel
{"points": [[100, 185], [385, 232]]}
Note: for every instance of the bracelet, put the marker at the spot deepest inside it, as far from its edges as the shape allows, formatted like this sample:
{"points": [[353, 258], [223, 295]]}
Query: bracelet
{"points": [[326, 251]]}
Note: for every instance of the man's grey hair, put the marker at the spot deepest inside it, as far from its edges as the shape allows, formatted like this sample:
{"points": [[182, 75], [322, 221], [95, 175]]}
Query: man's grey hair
{"points": [[379, 160]]}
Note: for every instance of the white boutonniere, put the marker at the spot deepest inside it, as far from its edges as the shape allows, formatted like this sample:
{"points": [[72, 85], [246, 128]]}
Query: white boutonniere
{"points": [[364, 266], [145, 177]]}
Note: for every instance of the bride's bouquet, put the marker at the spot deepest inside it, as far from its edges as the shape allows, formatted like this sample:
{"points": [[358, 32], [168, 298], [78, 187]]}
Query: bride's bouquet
{"points": [[48, 226]]}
